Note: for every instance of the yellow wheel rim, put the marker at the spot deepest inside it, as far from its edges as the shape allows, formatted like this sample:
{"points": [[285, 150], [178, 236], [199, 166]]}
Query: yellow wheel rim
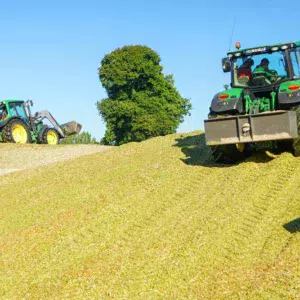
{"points": [[19, 134], [240, 147], [52, 138]]}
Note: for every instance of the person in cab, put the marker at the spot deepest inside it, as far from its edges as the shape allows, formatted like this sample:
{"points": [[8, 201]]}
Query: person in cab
{"points": [[262, 75], [244, 72]]}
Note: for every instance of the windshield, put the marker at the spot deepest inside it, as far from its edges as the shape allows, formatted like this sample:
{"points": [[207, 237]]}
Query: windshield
{"points": [[17, 110], [295, 57], [260, 69]]}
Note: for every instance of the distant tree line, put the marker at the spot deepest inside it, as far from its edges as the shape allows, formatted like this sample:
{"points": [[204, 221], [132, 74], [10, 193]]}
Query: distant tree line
{"points": [[82, 138]]}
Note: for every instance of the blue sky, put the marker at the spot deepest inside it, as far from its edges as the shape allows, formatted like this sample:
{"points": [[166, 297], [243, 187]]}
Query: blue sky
{"points": [[50, 50]]}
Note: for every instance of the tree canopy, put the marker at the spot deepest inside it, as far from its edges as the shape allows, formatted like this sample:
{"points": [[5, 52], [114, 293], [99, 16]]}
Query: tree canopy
{"points": [[141, 101]]}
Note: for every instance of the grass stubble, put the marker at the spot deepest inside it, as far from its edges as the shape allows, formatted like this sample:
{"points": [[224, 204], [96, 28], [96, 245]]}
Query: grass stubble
{"points": [[152, 220]]}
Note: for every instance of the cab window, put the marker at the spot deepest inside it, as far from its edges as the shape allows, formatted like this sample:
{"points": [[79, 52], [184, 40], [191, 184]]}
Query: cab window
{"points": [[274, 71], [295, 57], [17, 110]]}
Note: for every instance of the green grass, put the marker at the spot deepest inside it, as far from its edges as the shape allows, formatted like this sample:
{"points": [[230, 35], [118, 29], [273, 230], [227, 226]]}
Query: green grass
{"points": [[154, 220]]}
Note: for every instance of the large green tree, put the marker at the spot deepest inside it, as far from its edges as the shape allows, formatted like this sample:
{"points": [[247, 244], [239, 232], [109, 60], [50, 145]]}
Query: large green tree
{"points": [[141, 102]]}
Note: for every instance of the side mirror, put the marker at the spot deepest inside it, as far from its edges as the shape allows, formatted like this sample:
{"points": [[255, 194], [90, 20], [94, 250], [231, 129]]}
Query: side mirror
{"points": [[226, 64]]}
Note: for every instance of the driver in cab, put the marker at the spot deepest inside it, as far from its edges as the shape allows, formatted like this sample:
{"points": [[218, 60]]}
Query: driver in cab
{"points": [[263, 70]]}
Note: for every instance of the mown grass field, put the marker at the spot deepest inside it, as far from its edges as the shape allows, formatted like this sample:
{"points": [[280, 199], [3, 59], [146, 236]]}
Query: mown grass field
{"points": [[154, 220]]}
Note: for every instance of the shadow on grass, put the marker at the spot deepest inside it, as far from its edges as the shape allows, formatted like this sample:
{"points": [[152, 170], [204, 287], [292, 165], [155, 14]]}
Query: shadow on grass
{"points": [[198, 154], [293, 226]]}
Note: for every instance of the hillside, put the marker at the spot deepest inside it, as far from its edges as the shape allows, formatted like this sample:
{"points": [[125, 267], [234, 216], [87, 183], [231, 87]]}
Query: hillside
{"points": [[152, 220], [30, 156]]}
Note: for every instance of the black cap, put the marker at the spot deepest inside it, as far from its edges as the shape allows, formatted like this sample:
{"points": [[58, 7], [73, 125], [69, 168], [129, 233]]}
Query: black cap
{"points": [[249, 61], [264, 61]]}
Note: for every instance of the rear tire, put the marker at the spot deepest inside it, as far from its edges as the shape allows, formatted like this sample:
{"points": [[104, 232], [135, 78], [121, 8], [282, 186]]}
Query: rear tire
{"points": [[16, 131], [296, 142], [230, 154], [50, 136], [284, 146]]}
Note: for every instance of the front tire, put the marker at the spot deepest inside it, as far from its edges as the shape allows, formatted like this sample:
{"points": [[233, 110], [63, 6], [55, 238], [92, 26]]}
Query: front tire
{"points": [[50, 136], [230, 154], [16, 131]]}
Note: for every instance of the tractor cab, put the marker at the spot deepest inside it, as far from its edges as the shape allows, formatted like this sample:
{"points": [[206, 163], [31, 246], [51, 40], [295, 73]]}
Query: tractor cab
{"points": [[264, 78], [263, 66], [16, 109], [12, 108]]}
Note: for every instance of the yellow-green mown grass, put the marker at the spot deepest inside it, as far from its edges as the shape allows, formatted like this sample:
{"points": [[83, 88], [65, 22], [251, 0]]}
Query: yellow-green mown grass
{"points": [[154, 220]]}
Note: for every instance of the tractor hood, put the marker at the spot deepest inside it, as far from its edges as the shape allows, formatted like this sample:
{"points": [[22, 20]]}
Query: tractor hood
{"points": [[228, 100]]}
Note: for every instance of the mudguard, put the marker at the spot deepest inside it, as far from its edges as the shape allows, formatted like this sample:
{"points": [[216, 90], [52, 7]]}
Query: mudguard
{"points": [[3, 123]]}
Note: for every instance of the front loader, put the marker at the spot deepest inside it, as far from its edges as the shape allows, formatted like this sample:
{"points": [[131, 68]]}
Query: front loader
{"points": [[19, 125], [261, 109]]}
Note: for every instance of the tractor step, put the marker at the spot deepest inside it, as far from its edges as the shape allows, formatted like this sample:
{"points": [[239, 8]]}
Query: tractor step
{"points": [[267, 126]]}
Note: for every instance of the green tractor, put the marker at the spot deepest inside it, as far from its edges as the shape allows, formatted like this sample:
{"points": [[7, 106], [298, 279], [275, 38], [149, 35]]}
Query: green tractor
{"points": [[261, 109], [18, 125]]}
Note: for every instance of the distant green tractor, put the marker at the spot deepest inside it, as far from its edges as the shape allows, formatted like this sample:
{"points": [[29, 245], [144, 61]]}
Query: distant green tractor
{"points": [[17, 125], [261, 110]]}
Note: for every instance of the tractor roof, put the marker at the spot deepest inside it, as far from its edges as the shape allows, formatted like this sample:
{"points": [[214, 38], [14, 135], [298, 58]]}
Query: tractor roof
{"points": [[10, 101], [263, 49]]}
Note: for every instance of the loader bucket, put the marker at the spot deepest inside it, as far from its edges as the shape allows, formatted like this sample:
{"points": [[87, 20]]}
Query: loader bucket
{"points": [[71, 128]]}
